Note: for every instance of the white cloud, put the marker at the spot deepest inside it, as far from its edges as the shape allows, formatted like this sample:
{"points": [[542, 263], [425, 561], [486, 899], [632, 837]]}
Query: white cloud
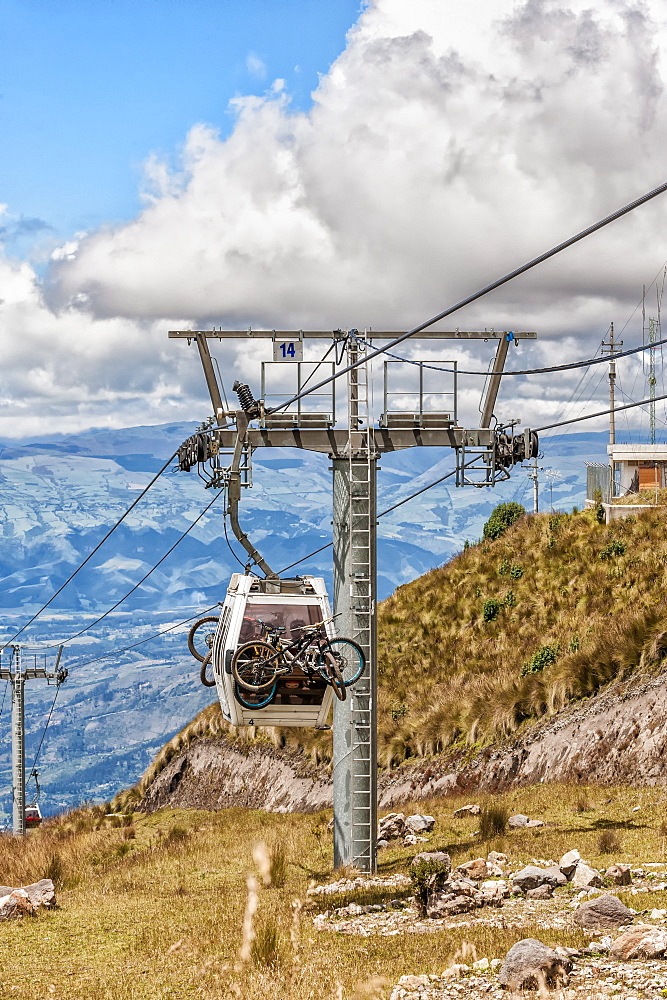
{"points": [[448, 144]]}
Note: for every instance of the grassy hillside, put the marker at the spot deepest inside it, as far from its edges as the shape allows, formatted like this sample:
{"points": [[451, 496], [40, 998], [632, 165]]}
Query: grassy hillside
{"points": [[507, 632], [514, 628]]}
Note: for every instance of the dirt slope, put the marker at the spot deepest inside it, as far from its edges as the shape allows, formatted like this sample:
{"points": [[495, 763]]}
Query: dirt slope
{"points": [[619, 736]]}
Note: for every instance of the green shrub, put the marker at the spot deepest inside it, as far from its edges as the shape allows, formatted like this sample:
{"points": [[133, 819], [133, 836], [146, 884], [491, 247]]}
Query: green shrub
{"points": [[541, 659], [510, 599], [504, 567], [515, 571], [491, 609], [614, 548], [502, 518], [426, 876]]}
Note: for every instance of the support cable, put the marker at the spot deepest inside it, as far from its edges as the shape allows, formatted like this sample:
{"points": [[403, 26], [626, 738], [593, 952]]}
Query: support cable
{"points": [[92, 553], [601, 413], [136, 586], [125, 649], [479, 294], [529, 371], [31, 773], [4, 695]]}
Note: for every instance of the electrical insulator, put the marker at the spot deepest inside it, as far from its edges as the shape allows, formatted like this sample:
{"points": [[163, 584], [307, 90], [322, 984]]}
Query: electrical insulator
{"points": [[246, 398]]}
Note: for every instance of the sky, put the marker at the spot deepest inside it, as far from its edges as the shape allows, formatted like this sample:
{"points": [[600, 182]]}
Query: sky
{"points": [[319, 164]]}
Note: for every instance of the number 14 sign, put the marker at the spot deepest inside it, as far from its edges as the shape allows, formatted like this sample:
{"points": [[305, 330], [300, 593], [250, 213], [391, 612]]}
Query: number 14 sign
{"points": [[288, 350]]}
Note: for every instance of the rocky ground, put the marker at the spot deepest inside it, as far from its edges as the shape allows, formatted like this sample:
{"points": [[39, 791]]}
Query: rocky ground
{"points": [[626, 956]]}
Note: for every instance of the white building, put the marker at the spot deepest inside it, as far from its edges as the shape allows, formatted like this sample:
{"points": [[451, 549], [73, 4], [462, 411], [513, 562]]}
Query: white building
{"points": [[638, 467]]}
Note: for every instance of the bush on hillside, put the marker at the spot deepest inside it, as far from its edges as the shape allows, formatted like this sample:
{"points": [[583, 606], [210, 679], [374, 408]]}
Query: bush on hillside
{"points": [[502, 518], [426, 876], [541, 659], [491, 609]]}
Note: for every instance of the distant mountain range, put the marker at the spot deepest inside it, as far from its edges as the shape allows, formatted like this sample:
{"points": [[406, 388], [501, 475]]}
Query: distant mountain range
{"points": [[61, 494]]}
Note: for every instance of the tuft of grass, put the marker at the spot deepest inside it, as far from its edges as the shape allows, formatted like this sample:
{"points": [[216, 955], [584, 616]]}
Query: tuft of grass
{"points": [[493, 819], [268, 947], [278, 864], [609, 842]]}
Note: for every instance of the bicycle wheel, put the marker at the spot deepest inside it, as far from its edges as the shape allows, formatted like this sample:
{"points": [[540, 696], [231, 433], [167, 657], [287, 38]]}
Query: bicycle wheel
{"points": [[202, 673], [330, 670], [349, 657], [204, 642], [258, 700], [250, 668]]}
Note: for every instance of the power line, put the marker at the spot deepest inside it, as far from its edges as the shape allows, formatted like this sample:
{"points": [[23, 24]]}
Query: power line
{"points": [[478, 295], [143, 579], [92, 553]]}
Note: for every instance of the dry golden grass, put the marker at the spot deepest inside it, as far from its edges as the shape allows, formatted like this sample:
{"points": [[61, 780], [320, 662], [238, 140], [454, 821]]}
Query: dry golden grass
{"points": [[162, 914]]}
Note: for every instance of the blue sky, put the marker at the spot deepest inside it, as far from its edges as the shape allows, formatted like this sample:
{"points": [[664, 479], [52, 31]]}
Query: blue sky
{"points": [[90, 88]]}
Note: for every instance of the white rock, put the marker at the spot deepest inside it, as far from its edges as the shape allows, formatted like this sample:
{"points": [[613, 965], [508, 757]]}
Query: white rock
{"points": [[518, 821], [569, 862], [469, 810], [586, 877], [496, 858], [419, 823], [482, 965]]}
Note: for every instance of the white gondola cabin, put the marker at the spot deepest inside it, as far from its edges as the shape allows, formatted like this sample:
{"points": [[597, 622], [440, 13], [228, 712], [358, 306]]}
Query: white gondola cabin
{"points": [[298, 700]]}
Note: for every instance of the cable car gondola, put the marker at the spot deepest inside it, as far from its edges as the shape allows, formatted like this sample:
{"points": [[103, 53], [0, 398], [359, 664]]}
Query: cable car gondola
{"points": [[252, 603], [33, 816]]}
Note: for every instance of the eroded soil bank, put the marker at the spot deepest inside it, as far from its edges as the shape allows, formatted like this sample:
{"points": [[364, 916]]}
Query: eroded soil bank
{"points": [[617, 737]]}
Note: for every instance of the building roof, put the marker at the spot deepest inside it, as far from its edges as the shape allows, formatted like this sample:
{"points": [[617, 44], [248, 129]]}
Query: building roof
{"points": [[637, 452]]}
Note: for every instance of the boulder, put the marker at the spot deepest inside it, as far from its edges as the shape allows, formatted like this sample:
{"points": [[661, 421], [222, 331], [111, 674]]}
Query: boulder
{"points": [[644, 941], [40, 894], [518, 821], [392, 826], [475, 870], [419, 823], [544, 891], [531, 876], [439, 856], [619, 874], [569, 862], [532, 823], [381, 844], [605, 911], [496, 858], [586, 877], [529, 964], [445, 905], [471, 810], [16, 904]]}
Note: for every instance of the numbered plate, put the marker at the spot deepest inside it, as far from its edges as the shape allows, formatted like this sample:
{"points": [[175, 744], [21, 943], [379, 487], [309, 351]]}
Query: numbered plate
{"points": [[288, 350]]}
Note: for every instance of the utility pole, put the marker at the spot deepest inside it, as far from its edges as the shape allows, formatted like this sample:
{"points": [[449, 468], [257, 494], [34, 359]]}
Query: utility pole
{"points": [[612, 347], [534, 469], [17, 675], [354, 452]]}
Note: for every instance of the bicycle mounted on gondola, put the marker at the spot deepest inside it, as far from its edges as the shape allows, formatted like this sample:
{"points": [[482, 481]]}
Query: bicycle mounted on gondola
{"points": [[258, 664]]}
